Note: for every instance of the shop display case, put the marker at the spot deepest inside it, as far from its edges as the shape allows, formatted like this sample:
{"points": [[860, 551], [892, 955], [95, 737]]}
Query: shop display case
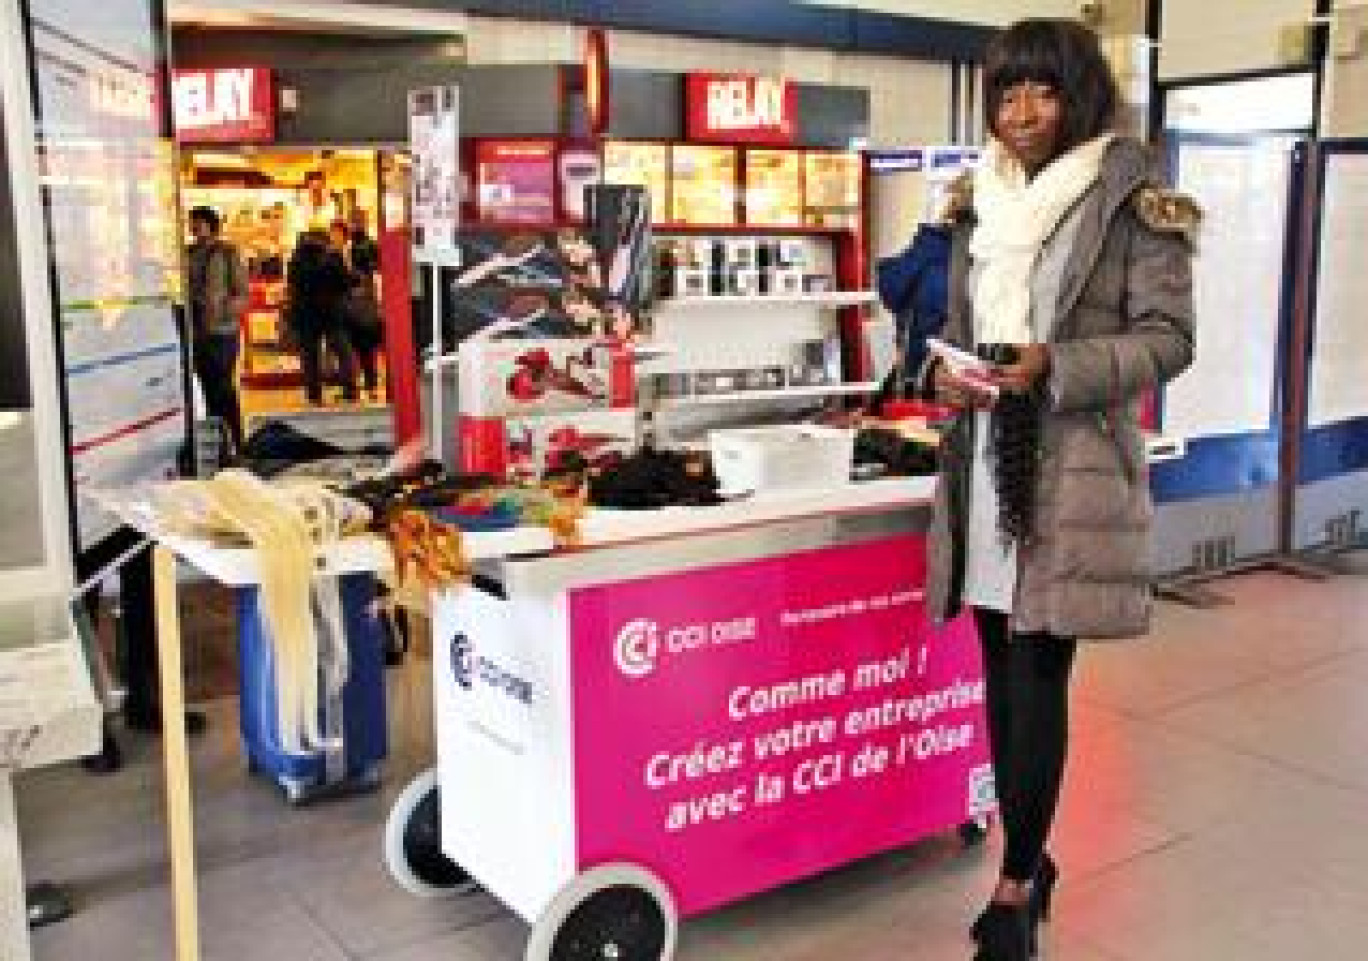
{"points": [[832, 184], [703, 185], [641, 164], [758, 267], [774, 188]]}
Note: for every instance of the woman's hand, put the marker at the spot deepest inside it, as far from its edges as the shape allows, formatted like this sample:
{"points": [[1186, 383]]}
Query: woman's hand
{"points": [[1031, 367], [958, 391]]}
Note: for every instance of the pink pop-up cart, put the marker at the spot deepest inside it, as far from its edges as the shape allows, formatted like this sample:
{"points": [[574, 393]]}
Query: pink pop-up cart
{"points": [[701, 704]]}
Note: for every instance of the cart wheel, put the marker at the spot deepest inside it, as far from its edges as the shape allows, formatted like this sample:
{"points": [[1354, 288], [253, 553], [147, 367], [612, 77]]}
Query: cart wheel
{"points": [[973, 833], [413, 843], [614, 912], [296, 792]]}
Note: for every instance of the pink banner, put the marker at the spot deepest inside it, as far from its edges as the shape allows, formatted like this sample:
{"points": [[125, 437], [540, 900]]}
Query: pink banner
{"points": [[745, 725]]}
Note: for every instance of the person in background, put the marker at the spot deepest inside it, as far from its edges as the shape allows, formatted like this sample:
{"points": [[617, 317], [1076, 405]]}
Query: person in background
{"points": [[912, 287], [318, 207], [318, 283], [218, 296], [1070, 276], [365, 326]]}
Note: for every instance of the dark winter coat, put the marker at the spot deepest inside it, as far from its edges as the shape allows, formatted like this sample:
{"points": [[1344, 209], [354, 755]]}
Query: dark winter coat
{"points": [[1124, 326]]}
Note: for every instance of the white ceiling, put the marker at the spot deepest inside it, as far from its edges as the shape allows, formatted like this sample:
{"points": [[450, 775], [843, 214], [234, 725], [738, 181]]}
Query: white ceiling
{"points": [[316, 16], [997, 13]]}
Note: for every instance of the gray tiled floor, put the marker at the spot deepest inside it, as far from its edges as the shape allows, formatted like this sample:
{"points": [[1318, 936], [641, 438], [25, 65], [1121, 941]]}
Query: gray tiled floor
{"points": [[1217, 809]]}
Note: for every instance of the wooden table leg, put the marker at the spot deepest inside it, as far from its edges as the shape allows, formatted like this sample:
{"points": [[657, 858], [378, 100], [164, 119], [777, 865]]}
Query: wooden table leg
{"points": [[176, 758], [14, 940]]}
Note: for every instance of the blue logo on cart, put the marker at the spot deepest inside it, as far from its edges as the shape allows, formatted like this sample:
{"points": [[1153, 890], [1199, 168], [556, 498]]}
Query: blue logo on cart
{"points": [[468, 668], [463, 661]]}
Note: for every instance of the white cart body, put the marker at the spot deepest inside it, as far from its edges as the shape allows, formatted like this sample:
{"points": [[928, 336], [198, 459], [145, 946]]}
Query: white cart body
{"points": [[730, 698]]}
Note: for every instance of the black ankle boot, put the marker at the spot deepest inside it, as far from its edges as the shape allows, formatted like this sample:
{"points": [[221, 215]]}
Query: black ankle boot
{"points": [[1037, 905], [1042, 889], [1004, 933]]}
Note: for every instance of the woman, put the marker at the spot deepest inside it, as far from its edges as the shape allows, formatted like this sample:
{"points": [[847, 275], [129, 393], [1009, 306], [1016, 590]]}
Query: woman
{"points": [[364, 323], [318, 283], [1070, 275]]}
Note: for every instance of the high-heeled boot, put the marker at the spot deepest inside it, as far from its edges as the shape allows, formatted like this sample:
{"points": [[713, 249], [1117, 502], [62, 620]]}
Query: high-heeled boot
{"points": [[1038, 903], [1004, 933]]}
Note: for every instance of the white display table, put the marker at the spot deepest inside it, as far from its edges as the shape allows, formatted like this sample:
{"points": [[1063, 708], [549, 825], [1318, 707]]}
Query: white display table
{"points": [[651, 726], [602, 529]]}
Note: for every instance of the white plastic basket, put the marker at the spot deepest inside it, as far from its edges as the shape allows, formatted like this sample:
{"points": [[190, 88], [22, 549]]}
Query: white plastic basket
{"points": [[782, 457]]}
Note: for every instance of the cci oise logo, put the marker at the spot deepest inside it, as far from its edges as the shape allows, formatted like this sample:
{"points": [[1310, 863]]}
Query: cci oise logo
{"points": [[637, 647], [642, 642], [463, 661]]}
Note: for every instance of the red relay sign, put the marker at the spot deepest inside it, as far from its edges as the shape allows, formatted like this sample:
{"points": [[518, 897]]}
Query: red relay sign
{"points": [[741, 108], [225, 105]]}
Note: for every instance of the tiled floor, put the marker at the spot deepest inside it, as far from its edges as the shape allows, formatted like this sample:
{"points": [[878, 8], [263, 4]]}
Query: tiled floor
{"points": [[1218, 809]]}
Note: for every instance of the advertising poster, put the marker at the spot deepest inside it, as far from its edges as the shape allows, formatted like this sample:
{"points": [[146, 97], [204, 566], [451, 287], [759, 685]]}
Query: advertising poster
{"points": [[831, 182], [619, 227], [705, 185], [643, 165], [433, 143], [774, 188], [578, 168], [772, 719], [1237, 277], [515, 181], [108, 182], [1338, 389], [523, 285]]}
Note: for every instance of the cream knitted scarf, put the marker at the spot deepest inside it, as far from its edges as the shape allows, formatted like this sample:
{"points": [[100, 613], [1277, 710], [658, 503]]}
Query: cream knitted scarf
{"points": [[1015, 218]]}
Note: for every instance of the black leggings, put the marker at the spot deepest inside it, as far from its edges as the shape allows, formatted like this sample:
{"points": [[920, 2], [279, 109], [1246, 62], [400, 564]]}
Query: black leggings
{"points": [[1028, 721], [311, 360], [215, 357]]}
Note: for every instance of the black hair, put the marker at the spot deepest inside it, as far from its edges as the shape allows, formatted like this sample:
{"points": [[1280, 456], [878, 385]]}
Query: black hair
{"points": [[1014, 439], [1064, 54], [207, 216]]}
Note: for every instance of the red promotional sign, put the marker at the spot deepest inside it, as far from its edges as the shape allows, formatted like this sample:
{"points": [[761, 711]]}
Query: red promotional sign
{"points": [[741, 108], [225, 105]]}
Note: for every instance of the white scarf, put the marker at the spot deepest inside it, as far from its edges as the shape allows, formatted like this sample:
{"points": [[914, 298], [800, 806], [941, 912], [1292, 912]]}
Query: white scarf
{"points": [[1015, 218]]}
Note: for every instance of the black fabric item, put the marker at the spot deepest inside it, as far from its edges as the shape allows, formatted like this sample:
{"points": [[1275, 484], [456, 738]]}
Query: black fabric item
{"points": [[879, 445], [216, 367], [278, 441], [651, 479], [1027, 678]]}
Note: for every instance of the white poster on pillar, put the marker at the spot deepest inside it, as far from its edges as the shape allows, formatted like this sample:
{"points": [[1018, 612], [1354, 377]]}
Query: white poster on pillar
{"points": [[1339, 339], [1237, 287]]}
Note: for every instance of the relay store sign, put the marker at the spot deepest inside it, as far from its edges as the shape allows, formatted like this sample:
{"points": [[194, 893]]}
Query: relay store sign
{"points": [[230, 105], [745, 725], [741, 108]]}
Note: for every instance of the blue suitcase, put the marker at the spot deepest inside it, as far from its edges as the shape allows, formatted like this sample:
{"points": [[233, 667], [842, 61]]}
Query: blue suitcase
{"points": [[355, 716]]}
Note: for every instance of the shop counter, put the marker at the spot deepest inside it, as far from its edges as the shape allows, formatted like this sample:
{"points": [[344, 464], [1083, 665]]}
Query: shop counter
{"points": [[697, 705]]}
